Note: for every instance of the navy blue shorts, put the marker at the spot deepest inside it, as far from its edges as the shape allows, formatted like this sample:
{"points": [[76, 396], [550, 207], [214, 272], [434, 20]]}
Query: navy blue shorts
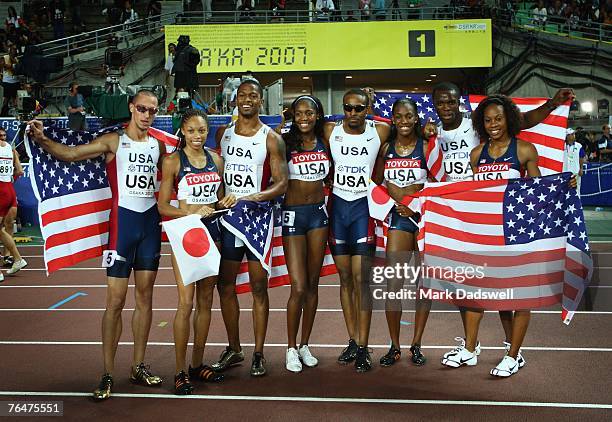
{"points": [[134, 242], [352, 229], [404, 223], [233, 248], [212, 224], [300, 219]]}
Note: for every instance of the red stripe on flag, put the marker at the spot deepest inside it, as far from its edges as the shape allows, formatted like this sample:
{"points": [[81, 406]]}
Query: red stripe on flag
{"points": [[76, 234], [554, 120], [70, 260], [76, 211], [497, 260], [570, 291], [468, 217], [482, 239]]}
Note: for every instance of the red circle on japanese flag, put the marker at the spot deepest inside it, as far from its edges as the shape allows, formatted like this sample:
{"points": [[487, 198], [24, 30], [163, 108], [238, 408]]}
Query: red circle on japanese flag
{"points": [[380, 195], [195, 242]]}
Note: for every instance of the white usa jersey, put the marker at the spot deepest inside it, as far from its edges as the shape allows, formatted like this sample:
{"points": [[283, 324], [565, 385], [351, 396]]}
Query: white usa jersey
{"points": [[247, 167], [6, 163], [354, 158], [456, 145], [133, 173]]}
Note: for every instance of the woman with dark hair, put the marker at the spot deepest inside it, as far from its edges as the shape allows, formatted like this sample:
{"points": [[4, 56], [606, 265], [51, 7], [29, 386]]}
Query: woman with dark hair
{"points": [[12, 18], [182, 172], [402, 165], [498, 121], [305, 223]]}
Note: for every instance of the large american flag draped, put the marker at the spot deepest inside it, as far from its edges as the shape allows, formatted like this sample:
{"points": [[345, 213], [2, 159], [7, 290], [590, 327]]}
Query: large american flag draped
{"points": [[529, 234], [74, 198], [548, 136]]}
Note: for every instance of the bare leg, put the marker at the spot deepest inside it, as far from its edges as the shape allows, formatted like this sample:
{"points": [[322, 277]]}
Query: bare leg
{"points": [[261, 305], [116, 289], [316, 253], [182, 316], [347, 292], [201, 321], [295, 256], [143, 313], [520, 324], [230, 310], [364, 299], [506, 320], [472, 323]]}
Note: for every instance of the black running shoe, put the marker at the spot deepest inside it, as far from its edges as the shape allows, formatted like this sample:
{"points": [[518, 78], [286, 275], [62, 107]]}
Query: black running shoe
{"points": [[257, 367], [417, 356], [182, 386], [392, 356], [8, 261], [348, 354], [363, 362], [205, 373], [103, 391]]}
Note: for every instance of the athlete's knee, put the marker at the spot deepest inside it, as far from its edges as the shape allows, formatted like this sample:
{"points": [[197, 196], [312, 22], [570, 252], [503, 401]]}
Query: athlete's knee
{"points": [[298, 292], [184, 307], [259, 289], [115, 304], [204, 295], [226, 290], [144, 295]]}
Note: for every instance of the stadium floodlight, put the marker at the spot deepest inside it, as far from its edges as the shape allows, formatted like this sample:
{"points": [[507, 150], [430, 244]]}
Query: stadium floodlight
{"points": [[587, 106]]}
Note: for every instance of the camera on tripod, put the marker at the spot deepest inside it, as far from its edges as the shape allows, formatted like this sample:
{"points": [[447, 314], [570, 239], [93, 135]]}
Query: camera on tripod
{"points": [[113, 61], [26, 106]]}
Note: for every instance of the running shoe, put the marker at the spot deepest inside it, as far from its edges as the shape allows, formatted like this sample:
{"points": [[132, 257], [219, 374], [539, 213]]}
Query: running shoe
{"points": [[103, 391], [307, 358], [363, 361], [348, 354], [142, 375], [393, 355], [182, 386], [205, 373], [17, 265], [257, 366], [506, 367], [417, 357], [293, 363], [228, 358], [1, 277], [519, 357], [7, 261], [461, 345], [460, 357]]}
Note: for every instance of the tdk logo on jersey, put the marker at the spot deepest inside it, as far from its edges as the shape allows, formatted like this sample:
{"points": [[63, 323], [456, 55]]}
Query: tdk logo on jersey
{"points": [[239, 152], [353, 150], [236, 167], [131, 168]]}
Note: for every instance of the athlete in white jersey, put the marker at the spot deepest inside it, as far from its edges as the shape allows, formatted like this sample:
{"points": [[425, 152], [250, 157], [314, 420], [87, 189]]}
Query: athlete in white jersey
{"points": [[255, 169], [354, 143], [10, 169], [132, 160], [457, 138]]}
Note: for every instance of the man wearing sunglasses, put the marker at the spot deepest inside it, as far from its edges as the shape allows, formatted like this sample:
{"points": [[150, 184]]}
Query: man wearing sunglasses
{"points": [[354, 142], [132, 160]]}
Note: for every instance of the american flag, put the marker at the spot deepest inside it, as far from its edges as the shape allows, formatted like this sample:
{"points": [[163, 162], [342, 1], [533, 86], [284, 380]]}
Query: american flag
{"points": [[74, 198], [528, 234], [548, 136], [249, 219]]}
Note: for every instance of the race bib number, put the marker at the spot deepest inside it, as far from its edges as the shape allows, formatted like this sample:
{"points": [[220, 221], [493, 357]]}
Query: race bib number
{"points": [[6, 166], [108, 258], [288, 218]]}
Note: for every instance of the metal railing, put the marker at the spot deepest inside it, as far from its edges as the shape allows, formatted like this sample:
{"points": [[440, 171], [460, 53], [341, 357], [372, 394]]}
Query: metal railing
{"points": [[557, 25], [522, 19], [99, 39]]}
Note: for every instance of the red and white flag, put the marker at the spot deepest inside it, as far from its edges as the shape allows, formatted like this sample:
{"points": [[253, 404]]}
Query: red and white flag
{"points": [[195, 251], [380, 202]]}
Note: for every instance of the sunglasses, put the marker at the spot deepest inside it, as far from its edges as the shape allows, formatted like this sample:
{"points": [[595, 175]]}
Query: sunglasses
{"points": [[358, 108], [143, 109]]}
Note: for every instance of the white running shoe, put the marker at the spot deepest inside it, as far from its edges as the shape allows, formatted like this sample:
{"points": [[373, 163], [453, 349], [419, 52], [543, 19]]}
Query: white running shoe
{"points": [[17, 265], [461, 345], [506, 367], [307, 358], [293, 361], [519, 357], [1, 277], [459, 357]]}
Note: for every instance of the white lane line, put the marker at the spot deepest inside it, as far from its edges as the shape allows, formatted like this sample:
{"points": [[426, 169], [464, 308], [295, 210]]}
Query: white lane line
{"points": [[313, 345], [42, 256], [273, 310], [319, 399], [80, 269]]}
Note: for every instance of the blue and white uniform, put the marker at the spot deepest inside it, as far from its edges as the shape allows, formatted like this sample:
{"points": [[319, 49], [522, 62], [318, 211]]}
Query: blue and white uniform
{"points": [[135, 234], [507, 166], [308, 166], [354, 156], [246, 171], [456, 146], [200, 186], [404, 171]]}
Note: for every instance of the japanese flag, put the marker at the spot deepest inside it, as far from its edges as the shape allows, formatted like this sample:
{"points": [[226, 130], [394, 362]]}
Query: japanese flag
{"points": [[379, 201], [195, 251]]}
